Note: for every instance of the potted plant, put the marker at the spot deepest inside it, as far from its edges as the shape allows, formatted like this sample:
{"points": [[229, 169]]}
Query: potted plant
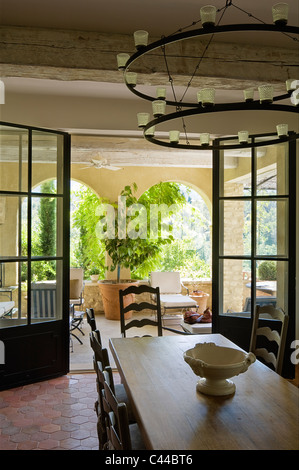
{"points": [[125, 249], [94, 273]]}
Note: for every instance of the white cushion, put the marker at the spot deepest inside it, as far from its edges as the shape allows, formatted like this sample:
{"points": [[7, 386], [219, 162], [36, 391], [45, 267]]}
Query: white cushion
{"points": [[5, 307], [198, 328], [169, 283], [177, 300]]}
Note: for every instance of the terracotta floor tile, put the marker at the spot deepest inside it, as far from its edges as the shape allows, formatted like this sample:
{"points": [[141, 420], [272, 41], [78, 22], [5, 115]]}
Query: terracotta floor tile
{"points": [[50, 428], [48, 444], [50, 415]]}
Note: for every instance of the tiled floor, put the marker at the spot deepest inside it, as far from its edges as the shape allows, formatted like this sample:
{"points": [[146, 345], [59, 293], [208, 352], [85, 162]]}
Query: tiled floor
{"points": [[57, 414], [52, 415]]}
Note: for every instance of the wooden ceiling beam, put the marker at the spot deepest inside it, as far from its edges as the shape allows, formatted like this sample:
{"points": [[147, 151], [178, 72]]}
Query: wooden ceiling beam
{"points": [[83, 55]]}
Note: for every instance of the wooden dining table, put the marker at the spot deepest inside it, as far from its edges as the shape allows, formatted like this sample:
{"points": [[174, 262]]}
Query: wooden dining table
{"points": [[262, 414]]}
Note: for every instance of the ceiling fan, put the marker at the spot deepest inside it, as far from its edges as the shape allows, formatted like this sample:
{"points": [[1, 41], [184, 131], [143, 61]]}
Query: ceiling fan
{"points": [[103, 163]]}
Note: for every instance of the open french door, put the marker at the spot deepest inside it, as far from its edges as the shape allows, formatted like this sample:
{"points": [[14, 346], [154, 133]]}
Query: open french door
{"points": [[254, 237], [34, 254]]}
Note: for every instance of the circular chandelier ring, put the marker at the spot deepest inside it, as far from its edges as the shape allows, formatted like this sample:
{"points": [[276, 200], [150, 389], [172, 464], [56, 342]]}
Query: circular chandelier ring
{"points": [[197, 33], [224, 107]]}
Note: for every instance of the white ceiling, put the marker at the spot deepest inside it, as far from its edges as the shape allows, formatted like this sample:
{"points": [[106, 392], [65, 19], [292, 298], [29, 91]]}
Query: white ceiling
{"points": [[126, 16]]}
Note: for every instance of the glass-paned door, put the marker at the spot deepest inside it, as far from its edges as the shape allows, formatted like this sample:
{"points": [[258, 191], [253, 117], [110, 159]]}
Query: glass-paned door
{"points": [[34, 254], [253, 237]]}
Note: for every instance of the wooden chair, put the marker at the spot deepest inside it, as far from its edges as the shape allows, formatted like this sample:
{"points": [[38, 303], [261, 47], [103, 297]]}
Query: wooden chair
{"points": [[91, 318], [98, 406], [153, 306], [101, 362], [279, 318], [120, 433]]}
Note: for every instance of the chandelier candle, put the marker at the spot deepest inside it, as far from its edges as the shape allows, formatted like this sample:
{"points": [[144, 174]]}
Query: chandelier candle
{"points": [[280, 13], [208, 16], [266, 94]]}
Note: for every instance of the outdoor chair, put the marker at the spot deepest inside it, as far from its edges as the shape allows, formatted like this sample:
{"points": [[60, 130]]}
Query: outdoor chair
{"points": [[263, 336], [76, 299], [121, 435], [6, 309], [171, 296], [43, 300], [150, 308], [76, 287]]}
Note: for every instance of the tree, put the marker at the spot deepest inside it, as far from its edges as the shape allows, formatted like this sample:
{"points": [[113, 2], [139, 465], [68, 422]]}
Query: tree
{"points": [[88, 251], [47, 220]]}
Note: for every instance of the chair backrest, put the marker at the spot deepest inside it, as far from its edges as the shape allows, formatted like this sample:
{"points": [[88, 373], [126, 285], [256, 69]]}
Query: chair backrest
{"points": [[168, 282], [138, 307], [100, 353], [43, 299], [118, 431], [91, 319], [278, 336], [101, 412], [76, 283]]}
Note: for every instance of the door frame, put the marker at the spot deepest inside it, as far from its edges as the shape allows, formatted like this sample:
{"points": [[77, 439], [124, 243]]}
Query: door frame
{"points": [[39, 351], [238, 328]]}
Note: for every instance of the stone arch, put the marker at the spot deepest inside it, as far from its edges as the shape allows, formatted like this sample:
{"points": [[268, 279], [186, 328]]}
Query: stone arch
{"points": [[202, 193], [84, 183]]}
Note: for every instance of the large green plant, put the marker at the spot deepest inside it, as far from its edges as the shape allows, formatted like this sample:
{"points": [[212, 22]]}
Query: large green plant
{"points": [[87, 250], [131, 245]]}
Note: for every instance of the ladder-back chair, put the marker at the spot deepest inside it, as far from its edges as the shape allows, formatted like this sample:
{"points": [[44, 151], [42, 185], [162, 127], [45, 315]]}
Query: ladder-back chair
{"points": [[278, 336]]}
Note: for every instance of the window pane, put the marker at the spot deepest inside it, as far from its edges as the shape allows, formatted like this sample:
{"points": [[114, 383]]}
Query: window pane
{"points": [[271, 170], [236, 216], [46, 291], [236, 287], [44, 210], [47, 158], [271, 228], [235, 170], [13, 294], [13, 159], [13, 230], [272, 283]]}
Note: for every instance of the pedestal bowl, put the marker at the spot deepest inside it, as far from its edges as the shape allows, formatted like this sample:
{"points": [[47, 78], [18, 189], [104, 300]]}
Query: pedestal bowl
{"points": [[216, 365]]}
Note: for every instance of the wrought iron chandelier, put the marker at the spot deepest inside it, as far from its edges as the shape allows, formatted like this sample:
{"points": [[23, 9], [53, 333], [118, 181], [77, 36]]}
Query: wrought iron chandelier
{"points": [[204, 102]]}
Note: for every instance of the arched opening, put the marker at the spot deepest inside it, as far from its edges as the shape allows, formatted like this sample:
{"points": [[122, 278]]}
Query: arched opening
{"points": [[86, 249], [190, 225]]}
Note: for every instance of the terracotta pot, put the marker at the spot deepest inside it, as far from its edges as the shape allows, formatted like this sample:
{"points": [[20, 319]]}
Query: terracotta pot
{"points": [[201, 299], [110, 297]]}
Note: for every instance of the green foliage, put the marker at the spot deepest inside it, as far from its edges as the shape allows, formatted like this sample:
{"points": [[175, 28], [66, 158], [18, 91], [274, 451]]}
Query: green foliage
{"points": [[135, 253], [267, 271], [43, 236], [47, 219], [188, 262], [87, 250]]}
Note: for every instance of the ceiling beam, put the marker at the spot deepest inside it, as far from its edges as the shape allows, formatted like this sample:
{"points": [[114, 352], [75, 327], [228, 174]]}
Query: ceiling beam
{"points": [[84, 55]]}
